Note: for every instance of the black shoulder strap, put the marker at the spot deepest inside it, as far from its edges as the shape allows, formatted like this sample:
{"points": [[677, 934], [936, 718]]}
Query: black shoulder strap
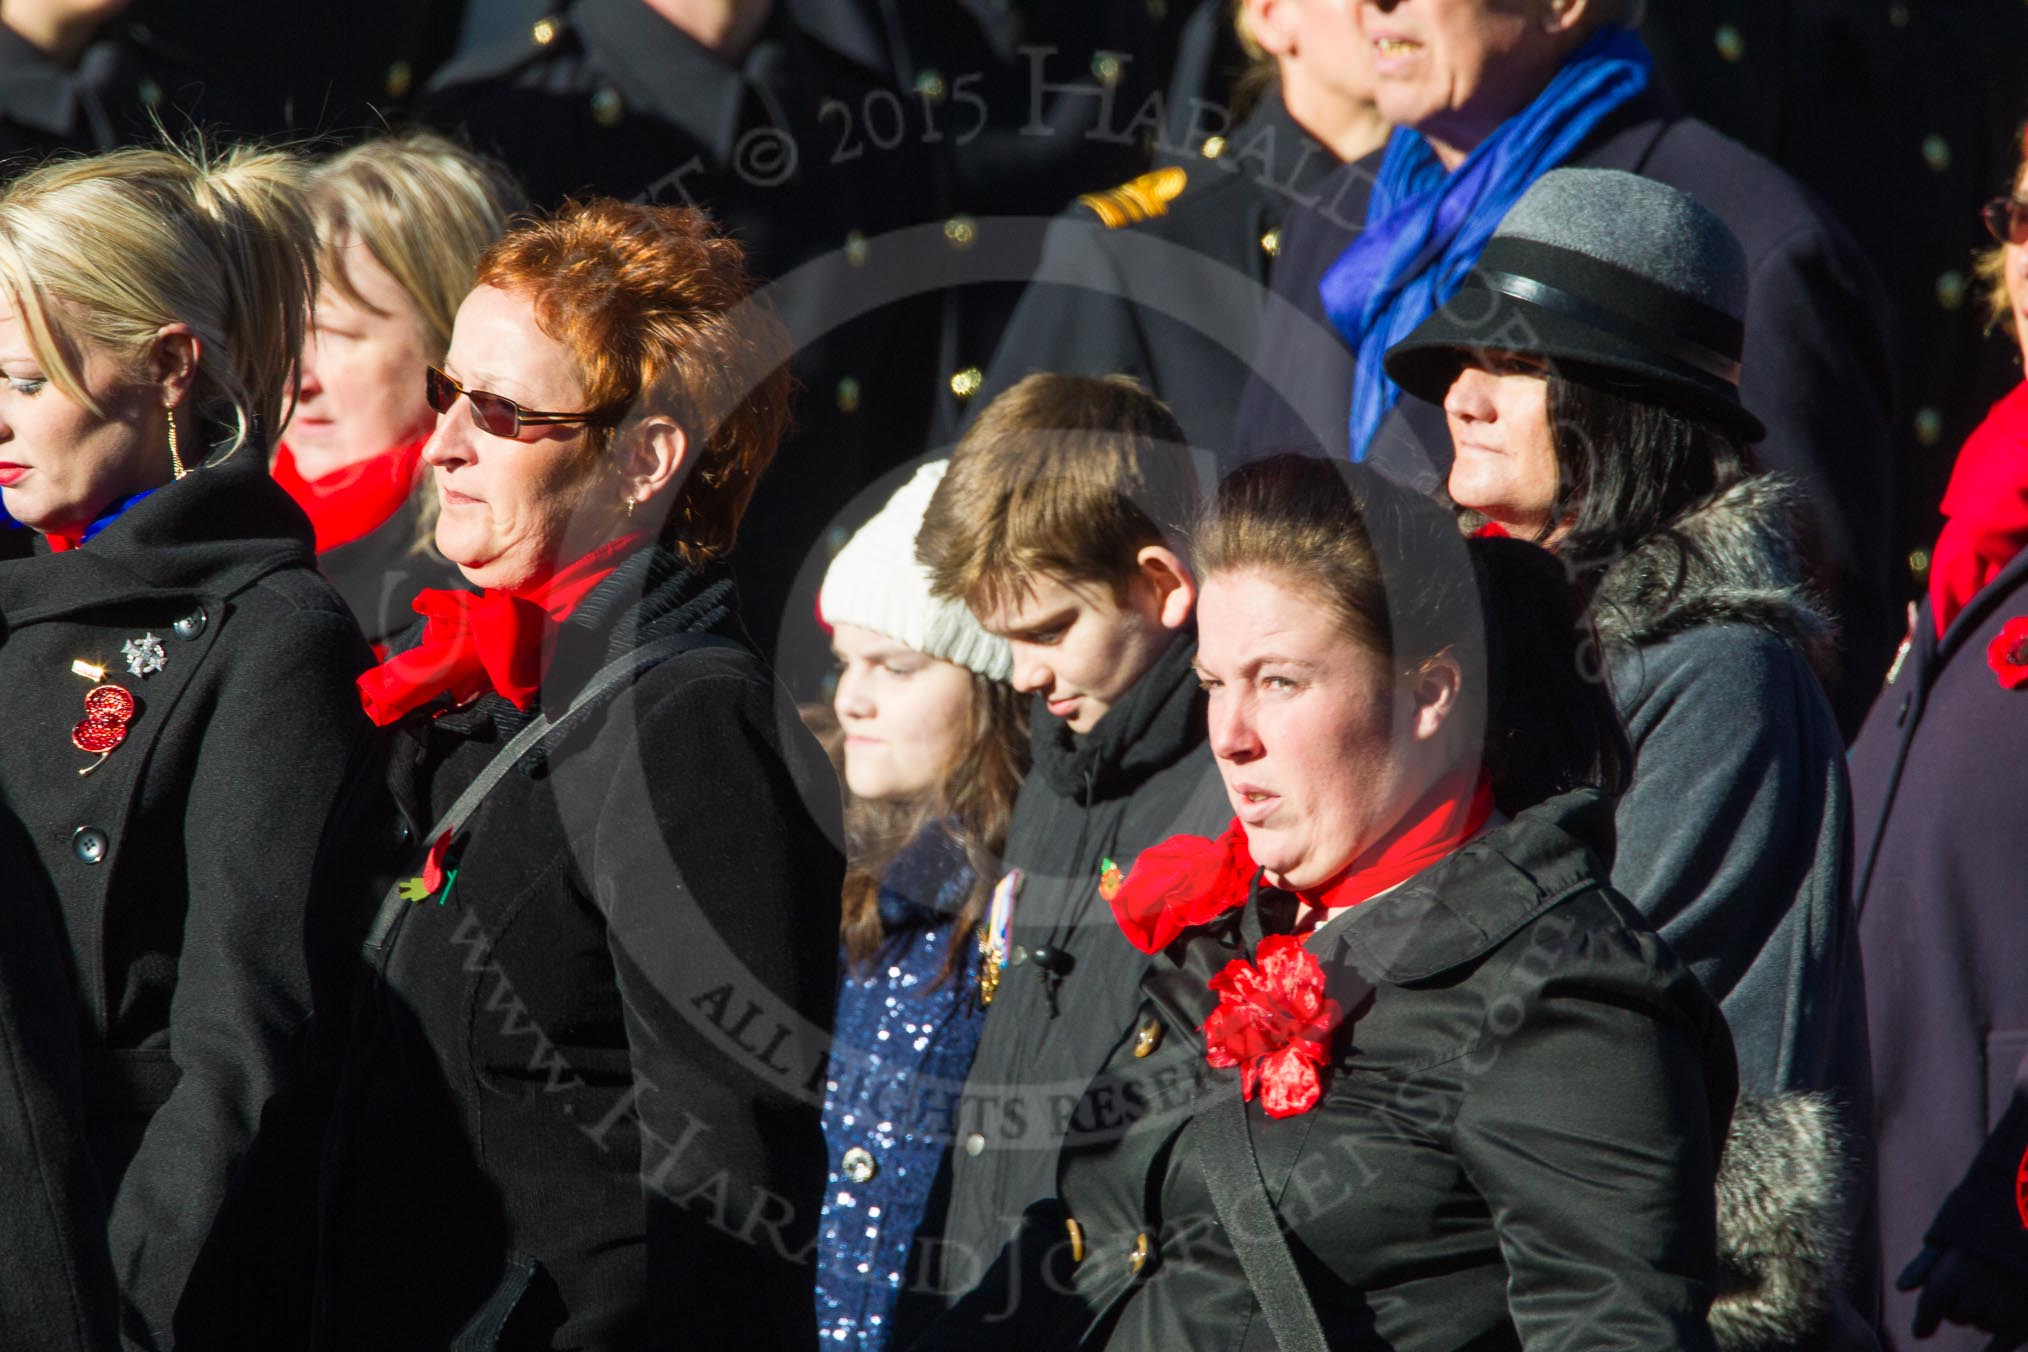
{"points": [[605, 681], [1239, 1195]]}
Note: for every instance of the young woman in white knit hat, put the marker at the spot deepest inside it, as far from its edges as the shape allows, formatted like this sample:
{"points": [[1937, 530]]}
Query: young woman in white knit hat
{"points": [[934, 747]]}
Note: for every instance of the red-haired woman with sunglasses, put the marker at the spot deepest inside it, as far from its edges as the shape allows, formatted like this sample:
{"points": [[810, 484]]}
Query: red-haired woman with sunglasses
{"points": [[582, 1101], [1936, 787]]}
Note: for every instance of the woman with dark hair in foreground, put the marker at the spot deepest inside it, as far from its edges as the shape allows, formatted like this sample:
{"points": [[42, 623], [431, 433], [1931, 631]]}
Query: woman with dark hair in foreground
{"points": [[1408, 1072]]}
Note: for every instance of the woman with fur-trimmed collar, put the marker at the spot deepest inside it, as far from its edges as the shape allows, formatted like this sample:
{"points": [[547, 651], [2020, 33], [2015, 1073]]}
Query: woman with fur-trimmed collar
{"points": [[1611, 432]]}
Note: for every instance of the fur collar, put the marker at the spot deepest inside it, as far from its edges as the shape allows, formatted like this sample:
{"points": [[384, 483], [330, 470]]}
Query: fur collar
{"points": [[1736, 559], [1783, 1194]]}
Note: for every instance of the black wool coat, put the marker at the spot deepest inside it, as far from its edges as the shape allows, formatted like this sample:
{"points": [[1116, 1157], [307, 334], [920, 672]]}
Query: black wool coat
{"points": [[1940, 858], [1516, 1142], [182, 868], [1816, 367], [57, 1289], [581, 1106]]}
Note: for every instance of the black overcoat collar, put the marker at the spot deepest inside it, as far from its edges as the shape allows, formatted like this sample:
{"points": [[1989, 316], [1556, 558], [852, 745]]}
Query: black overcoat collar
{"points": [[652, 593], [1449, 915], [1478, 898], [212, 533]]}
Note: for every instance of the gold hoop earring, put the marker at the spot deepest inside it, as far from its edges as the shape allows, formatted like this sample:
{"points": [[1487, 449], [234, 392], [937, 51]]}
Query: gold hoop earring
{"points": [[175, 460]]}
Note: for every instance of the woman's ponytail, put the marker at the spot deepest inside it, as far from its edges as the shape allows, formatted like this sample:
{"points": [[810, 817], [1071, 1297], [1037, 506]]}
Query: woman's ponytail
{"points": [[106, 250], [266, 244]]}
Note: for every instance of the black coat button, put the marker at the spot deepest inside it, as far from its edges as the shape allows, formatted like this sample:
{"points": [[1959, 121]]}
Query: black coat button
{"points": [[399, 833], [191, 625], [89, 844]]}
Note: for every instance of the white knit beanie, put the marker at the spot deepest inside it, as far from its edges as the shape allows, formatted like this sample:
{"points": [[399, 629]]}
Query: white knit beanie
{"points": [[876, 583]]}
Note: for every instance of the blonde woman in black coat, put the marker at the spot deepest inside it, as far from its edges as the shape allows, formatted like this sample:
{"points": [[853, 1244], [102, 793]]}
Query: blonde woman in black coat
{"points": [[181, 721]]}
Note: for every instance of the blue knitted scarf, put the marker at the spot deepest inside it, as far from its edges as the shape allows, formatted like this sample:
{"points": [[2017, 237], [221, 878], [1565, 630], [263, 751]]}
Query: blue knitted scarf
{"points": [[1426, 228]]}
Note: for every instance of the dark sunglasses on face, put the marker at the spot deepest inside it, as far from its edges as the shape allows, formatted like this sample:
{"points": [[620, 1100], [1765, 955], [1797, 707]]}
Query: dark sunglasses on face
{"points": [[494, 413], [2006, 219]]}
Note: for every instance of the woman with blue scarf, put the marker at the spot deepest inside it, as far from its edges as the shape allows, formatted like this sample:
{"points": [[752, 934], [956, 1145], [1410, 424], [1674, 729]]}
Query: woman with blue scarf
{"points": [[182, 743], [1487, 96]]}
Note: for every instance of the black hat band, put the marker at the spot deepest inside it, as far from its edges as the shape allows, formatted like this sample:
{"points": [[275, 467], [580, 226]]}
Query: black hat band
{"points": [[1532, 292]]}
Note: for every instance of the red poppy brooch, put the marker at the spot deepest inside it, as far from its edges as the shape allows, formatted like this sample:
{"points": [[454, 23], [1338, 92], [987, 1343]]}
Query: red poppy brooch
{"points": [[1274, 1022], [2007, 654], [1183, 882]]}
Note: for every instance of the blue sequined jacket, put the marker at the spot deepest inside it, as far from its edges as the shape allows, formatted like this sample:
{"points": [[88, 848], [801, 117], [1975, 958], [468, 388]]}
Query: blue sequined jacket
{"points": [[903, 1047]]}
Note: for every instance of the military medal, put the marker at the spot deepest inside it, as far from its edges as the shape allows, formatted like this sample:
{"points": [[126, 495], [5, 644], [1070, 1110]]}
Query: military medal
{"points": [[108, 711], [993, 938], [144, 655], [1907, 642]]}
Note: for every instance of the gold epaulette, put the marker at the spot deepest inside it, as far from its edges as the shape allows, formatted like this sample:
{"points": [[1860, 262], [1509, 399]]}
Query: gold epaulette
{"points": [[1137, 199]]}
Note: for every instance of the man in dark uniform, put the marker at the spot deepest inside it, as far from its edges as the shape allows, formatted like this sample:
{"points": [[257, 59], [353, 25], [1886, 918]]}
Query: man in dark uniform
{"points": [[1817, 368], [1117, 293], [1904, 118], [49, 99], [1038, 101], [744, 118], [91, 75], [78, 76]]}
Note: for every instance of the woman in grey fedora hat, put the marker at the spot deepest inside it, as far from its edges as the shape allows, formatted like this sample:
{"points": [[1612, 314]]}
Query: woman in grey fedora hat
{"points": [[1589, 370]]}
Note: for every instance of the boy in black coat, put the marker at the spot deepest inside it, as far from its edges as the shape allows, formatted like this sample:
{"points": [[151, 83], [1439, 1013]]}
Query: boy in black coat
{"points": [[1058, 524]]}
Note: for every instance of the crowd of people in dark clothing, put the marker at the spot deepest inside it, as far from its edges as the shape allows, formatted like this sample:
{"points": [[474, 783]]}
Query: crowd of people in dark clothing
{"points": [[658, 704]]}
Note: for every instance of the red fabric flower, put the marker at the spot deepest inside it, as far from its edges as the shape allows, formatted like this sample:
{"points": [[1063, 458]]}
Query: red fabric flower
{"points": [[2007, 654], [1184, 881], [1274, 1022]]}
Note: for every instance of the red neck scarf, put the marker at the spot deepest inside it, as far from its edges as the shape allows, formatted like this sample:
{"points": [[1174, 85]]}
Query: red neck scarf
{"points": [[496, 640], [1985, 509], [352, 500], [1188, 880]]}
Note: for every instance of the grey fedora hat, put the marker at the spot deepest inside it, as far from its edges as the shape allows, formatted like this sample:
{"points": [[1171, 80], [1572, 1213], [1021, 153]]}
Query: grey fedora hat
{"points": [[1605, 268]]}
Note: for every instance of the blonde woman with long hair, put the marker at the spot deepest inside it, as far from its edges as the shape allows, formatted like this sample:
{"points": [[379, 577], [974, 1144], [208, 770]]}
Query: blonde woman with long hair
{"points": [[401, 222], [182, 721]]}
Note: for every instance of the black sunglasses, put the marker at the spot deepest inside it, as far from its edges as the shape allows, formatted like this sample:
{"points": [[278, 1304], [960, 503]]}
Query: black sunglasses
{"points": [[2006, 219], [494, 413]]}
